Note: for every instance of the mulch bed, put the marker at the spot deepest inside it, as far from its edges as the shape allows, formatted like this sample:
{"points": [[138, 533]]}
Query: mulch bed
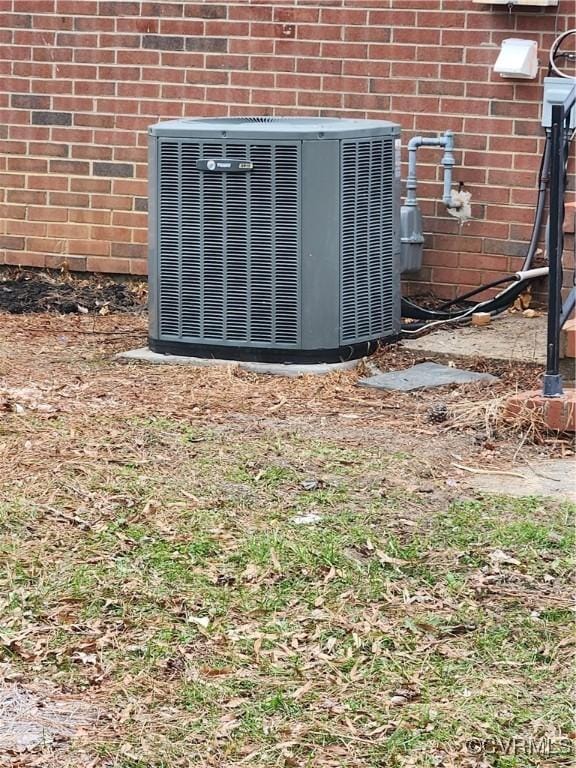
{"points": [[23, 293]]}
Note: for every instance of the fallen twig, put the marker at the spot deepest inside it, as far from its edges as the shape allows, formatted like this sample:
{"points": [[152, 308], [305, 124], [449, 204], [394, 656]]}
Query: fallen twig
{"points": [[478, 471]]}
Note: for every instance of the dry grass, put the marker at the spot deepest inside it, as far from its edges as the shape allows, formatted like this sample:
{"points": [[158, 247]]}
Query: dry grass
{"points": [[155, 569]]}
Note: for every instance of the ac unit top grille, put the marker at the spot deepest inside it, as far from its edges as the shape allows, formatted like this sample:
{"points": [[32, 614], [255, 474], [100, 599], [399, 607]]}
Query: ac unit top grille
{"points": [[278, 128]]}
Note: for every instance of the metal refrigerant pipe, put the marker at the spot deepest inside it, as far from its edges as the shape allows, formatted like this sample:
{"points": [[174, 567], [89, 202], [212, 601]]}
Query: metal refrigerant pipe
{"points": [[447, 142]]}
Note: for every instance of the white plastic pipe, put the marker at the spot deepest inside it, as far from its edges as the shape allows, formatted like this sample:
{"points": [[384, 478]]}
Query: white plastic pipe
{"points": [[530, 274]]}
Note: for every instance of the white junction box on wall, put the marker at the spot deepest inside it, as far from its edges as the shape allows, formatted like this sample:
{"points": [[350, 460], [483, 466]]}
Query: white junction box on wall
{"points": [[517, 58]]}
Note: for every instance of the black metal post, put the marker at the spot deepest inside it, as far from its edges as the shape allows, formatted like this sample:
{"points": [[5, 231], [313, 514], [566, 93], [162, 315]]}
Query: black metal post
{"points": [[552, 382]]}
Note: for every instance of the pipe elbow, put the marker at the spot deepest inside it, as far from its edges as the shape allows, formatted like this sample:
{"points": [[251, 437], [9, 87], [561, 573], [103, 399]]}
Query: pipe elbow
{"points": [[415, 142]]}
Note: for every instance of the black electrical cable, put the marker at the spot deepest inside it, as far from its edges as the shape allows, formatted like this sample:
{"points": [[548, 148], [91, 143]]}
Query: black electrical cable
{"points": [[493, 306], [497, 304], [475, 291], [555, 55], [413, 311]]}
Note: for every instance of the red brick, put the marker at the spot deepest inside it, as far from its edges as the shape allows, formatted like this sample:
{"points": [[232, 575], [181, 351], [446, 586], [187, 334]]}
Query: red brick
{"points": [[98, 55], [113, 202], [393, 17], [302, 47], [110, 233], [44, 245], [52, 86], [94, 121], [279, 97], [558, 414], [129, 250], [92, 152], [511, 178], [129, 219], [82, 184], [96, 24], [26, 196], [135, 24], [27, 164], [66, 231], [69, 199], [413, 69], [246, 45], [24, 259], [164, 9], [7, 241], [45, 213], [439, 87], [320, 66], [274, 63], [138, 266], [138, 57], [347, 84], [74, 263], [88, 7], [251, 12], [131, 154], [47, 182], [32, 69], [222, 61], [90, 248], [267, 79], [345, 16], [90, 216], [107, 264], [207, 77], [177, 93], [206, 10]]}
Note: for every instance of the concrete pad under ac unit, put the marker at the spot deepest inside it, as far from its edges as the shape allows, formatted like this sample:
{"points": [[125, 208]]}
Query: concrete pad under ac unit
{"points": [[145, 355]]}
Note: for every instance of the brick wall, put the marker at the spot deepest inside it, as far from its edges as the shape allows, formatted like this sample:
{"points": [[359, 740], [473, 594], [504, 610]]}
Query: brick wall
{"points": [[83, 80]]}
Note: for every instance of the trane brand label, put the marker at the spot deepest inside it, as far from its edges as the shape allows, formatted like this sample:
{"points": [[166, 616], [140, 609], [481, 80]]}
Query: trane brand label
{"points": [[222, 164]]}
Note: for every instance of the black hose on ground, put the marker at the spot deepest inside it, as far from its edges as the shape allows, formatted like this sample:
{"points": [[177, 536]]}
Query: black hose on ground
{"points": [[493, 306], [506, 297]]}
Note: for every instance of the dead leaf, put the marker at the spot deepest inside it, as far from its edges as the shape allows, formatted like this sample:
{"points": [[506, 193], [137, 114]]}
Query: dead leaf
{"points": [[151, 506], [200, 621], [299, 692], [228, 723], [387, 560], [499, 557], [250, 573]]}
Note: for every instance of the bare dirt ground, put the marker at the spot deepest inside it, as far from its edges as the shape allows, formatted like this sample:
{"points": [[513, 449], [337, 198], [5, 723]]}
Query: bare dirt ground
{"points": [[211, 567]]}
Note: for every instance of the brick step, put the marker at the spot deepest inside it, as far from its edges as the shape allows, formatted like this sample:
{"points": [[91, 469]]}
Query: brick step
{"points": [[558, 414]]}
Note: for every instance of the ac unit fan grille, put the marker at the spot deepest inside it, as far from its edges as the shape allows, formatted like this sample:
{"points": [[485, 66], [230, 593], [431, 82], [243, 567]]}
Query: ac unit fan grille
{"points": [[367, 233], [229, 244]]}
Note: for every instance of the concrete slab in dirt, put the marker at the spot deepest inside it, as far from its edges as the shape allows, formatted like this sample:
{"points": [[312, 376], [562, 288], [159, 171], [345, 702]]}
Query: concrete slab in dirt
{"points": [[509, 338], [555, 478], [145, 355], [31, 719], [424, 376]]}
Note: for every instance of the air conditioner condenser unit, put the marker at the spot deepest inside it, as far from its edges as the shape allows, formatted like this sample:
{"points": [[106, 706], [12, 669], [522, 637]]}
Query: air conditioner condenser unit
{"points": [[273, 239]]}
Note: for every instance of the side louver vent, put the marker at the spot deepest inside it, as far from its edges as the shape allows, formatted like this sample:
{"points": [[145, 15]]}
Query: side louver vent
{"points": [[367, 245], [229, 243]]}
